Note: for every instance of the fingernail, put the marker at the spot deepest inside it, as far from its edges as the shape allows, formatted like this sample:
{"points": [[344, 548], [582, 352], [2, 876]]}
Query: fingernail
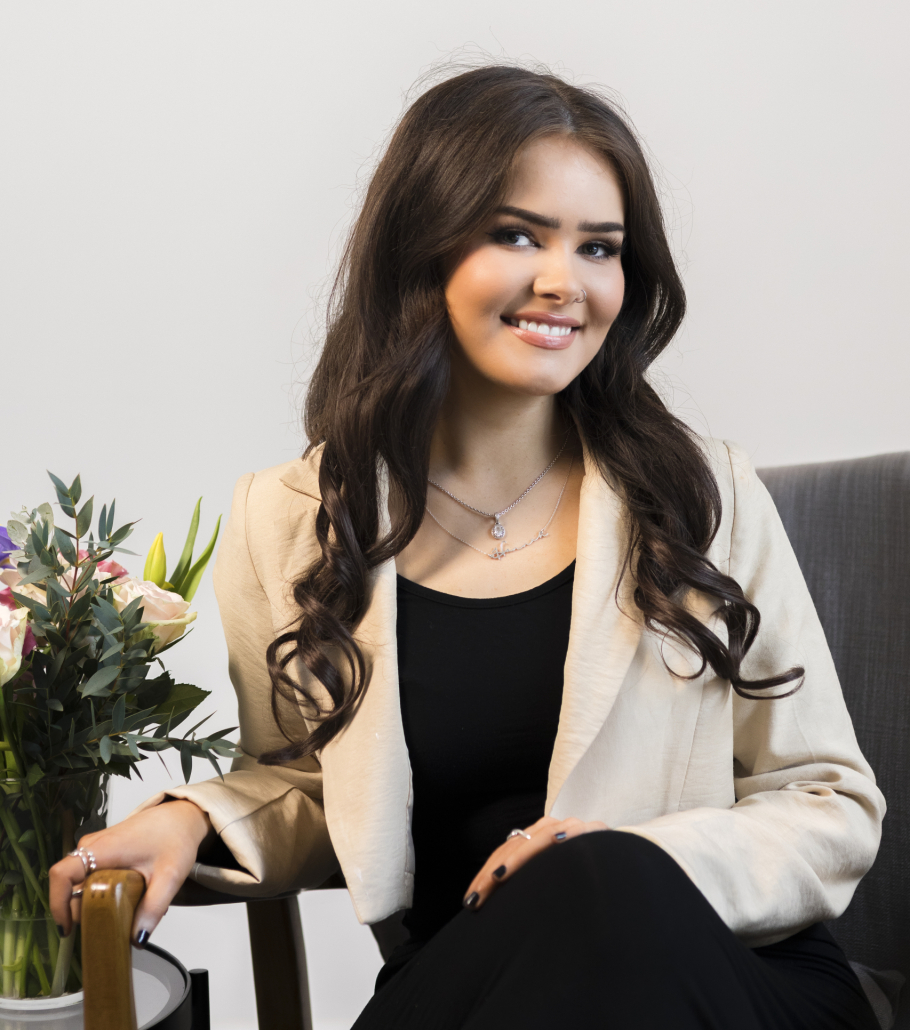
{"points": [[60, 929], [500, 872], [142, 938], [561, 835], [471, 900]]}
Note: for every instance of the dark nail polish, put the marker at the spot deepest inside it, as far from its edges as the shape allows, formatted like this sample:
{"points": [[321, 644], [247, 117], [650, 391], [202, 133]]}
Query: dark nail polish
{"points": [[60, 929], [471, 900], [500, 872], [561, 835], [142, 938]]}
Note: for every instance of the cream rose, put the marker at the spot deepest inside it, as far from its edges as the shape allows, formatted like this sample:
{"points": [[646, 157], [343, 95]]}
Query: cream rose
{"points": [[164, 611], [12, 637]]}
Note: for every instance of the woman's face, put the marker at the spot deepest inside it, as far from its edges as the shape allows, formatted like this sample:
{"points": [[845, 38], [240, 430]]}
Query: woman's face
{"points": [[514, 299]]}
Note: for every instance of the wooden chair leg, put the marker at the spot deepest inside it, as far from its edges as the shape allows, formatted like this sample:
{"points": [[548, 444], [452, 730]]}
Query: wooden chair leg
{"points": [[108, 904], [279, 965]]}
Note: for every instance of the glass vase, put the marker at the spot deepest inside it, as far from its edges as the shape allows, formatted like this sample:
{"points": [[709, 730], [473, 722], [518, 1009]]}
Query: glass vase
{"points": [[40, 822]]}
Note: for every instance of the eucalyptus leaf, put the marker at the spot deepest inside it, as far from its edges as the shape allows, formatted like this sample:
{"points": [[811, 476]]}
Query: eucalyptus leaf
{"points": [[84, 518], [75, 491], [106, 748], [186, 763], [101, 680], [119, 714], [17, 532], [65, 546]]}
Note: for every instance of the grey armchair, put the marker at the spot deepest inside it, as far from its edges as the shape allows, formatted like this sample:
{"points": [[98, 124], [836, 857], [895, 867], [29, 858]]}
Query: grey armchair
{"points": [[849, 523]]}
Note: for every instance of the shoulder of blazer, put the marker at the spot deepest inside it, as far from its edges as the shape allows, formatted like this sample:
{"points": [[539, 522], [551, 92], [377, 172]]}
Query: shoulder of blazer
{"points": [[279, 515]]}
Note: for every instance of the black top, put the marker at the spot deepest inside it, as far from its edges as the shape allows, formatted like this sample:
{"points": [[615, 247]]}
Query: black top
{"points": [[481, 688]]}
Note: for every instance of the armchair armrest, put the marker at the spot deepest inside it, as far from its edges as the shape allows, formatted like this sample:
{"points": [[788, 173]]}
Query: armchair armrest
{"points": [[108, 904]]}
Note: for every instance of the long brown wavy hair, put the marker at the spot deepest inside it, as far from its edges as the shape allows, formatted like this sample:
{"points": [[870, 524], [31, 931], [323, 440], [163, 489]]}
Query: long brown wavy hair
{"points": [[376, 393]]}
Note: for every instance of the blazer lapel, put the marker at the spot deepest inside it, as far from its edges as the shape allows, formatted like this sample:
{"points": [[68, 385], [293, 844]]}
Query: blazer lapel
{"points": [[604, 634]]}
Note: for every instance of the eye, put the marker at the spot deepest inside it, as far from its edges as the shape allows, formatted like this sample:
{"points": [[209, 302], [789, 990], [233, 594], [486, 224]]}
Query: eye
{"points": [[600, 249], [512, 237]]}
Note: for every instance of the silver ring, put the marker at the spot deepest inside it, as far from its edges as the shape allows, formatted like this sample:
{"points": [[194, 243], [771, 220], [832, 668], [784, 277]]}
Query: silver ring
{"points": [[519, 833], [584, 297], [87, 858], [77, 893]]}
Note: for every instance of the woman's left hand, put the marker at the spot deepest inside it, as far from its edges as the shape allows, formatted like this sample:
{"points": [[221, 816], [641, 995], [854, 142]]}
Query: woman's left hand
{"points": [[516, 851]]}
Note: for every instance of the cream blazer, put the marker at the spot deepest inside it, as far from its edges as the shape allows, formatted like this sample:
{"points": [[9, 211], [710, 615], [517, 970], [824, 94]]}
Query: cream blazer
{"points": [[768, 806]]}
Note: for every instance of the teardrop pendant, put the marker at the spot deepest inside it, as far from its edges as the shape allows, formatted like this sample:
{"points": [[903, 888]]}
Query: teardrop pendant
{"points": [[498, 530]]}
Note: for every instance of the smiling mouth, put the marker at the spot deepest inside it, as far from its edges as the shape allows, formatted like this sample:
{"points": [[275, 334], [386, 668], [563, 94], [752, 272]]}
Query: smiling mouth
{"points": [[543, 328]]}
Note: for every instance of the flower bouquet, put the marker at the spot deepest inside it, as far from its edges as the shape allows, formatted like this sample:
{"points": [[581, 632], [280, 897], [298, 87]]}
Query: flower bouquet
{"points": [[79, 702]]}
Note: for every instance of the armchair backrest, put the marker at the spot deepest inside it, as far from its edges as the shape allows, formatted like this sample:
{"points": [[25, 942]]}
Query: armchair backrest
{"points": [[849, 523]]}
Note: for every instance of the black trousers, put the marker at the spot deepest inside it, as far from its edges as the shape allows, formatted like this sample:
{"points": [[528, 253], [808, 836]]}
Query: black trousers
{"points": [[606, 931]]}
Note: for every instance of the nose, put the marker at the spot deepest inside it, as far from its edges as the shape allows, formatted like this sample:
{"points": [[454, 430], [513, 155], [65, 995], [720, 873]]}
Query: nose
{"points": [[557, 280]]}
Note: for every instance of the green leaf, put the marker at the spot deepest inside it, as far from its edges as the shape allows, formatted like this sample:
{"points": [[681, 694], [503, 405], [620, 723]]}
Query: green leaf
{"points": [[102, 679], [59, 485], [193, 578], [54, 704], [119, 714], [102, 522], [35, 774], [186, 558], [115, 648], [215, 764], [28, 839], [181, 699], [18, 532], [186, 763], [37, 576], [121, 534], [65, 546], [84, 518], [34, 606], [106, 748], [110, 519], [11, 877]]}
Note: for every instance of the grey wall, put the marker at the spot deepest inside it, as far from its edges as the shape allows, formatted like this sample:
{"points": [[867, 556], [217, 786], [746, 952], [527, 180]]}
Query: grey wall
{"points": [[175, 178]]}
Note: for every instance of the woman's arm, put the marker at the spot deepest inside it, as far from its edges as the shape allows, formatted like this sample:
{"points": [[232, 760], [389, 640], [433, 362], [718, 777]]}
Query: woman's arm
{"points": [[807, 822]]}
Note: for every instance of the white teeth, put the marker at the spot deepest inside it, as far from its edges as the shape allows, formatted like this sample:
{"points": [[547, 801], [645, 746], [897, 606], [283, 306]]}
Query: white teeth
{"points": [[543, 328]]}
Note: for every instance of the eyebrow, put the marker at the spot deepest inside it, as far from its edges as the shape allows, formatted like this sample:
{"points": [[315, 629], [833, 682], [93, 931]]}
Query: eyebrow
{"points": [[554, 223]]}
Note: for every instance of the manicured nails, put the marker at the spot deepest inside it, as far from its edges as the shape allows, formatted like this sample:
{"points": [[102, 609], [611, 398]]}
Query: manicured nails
{"points": [[500, 872], [142, 938], [471, 900], [561, 835]]}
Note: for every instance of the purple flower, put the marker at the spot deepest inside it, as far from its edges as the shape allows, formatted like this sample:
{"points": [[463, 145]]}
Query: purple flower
{"points": [[6, 545]]}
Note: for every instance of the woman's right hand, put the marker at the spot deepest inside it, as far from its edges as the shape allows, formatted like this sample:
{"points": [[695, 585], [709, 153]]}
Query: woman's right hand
{"points": [[161, 843]]}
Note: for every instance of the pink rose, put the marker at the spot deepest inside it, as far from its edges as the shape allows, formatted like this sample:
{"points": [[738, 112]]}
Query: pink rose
{"points": [[164, 611]]}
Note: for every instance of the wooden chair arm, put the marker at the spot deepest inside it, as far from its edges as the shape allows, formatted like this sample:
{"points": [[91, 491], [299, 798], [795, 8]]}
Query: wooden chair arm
{"points": [[108, 905]]}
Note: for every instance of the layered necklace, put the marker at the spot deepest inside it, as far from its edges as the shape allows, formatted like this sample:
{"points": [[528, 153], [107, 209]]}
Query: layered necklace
{"points": [[498, 530]]}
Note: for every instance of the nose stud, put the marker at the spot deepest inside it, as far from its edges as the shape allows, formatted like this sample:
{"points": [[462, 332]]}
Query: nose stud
{"points": [[582, 298]]}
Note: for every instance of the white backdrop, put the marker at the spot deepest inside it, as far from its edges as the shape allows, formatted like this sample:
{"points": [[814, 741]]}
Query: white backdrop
{"points": [[175, 179]]}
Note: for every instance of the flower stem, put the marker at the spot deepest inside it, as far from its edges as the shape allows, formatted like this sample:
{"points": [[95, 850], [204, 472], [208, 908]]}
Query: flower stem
{"points": [[9, 947], [38, 963], [62, 969], [12, 831]]}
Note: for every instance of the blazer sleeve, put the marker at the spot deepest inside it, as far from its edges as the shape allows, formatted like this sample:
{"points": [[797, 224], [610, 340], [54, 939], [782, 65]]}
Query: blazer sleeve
{"points": [[806, 824], [270, 818]]}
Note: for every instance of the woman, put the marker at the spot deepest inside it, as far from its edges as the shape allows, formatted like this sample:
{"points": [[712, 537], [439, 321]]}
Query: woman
{"points": [[508, 592]]}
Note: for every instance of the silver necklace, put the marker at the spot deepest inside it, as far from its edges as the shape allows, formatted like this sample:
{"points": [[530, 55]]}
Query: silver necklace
{"points": [[498, 531], [498, 553]]}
